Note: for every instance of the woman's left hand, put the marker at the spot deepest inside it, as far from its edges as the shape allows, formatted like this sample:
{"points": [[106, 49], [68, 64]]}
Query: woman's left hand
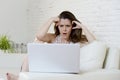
{"points": [[78, 25]]}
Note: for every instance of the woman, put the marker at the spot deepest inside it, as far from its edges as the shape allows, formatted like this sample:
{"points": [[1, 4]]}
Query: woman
{"points": [[67, 30]]}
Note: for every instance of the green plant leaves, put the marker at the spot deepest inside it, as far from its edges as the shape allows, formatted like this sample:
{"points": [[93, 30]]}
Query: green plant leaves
{"points": [[5, 43]]}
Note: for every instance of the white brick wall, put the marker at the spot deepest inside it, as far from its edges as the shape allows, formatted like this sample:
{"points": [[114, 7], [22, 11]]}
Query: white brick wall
{"points": [[100, 16], [13, 20]]}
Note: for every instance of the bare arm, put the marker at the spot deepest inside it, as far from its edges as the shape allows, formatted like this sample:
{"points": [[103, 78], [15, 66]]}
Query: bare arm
{"points": [[42, 34], [89, 35]]}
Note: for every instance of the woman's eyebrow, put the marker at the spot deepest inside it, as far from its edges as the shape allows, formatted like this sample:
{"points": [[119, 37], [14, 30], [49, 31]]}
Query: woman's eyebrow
{"points": [[61, 25], [67, 25]]}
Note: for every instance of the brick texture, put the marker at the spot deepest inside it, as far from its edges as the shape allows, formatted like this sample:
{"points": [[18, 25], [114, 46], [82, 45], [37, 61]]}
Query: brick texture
{"points": [[100, 16]]}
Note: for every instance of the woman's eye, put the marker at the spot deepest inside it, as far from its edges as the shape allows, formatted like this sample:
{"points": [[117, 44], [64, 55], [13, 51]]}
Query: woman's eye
{"points": [[67, 25], [61, 25]]}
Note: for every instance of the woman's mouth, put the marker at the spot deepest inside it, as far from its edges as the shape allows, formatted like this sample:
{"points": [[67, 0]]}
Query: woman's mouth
{"points": [[64, 33]]}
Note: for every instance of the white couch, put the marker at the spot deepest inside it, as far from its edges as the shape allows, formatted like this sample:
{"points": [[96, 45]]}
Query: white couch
{"points": [[97, 62], [10, 63]]}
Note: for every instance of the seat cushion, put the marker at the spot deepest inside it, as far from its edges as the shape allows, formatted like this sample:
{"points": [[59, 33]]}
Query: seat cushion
{"points": [[94, 75]]}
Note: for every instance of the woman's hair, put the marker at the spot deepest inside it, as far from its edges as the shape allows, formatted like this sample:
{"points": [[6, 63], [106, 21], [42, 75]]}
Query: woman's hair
{"points": [[76, 34]]}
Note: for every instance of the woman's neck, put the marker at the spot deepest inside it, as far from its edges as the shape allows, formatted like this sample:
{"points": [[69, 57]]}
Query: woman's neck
{"points": [[64, 40]]}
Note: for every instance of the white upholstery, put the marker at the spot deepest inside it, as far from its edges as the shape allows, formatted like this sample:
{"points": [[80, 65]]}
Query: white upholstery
{"points": [[11, 62], [92, 56], [113, 58], [100, 74]]}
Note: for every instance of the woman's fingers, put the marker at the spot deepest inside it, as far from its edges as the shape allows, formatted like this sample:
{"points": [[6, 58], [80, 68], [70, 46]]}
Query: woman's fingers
{"points": [[56, 24], [76, 25], [56, 19], [74, 28], [76, 22]]}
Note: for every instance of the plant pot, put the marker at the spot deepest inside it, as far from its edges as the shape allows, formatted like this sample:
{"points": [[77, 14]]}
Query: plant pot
{"points": [[1, 51]]}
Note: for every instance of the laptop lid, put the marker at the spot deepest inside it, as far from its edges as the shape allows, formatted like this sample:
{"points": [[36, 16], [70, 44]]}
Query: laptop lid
{"points": [[62, 58]]}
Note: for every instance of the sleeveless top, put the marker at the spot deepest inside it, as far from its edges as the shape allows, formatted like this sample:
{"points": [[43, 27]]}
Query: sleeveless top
{"points": [[58, 40]]}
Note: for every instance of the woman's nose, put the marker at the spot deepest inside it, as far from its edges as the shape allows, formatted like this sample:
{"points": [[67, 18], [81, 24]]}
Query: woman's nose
{"points": [[64, 28]]}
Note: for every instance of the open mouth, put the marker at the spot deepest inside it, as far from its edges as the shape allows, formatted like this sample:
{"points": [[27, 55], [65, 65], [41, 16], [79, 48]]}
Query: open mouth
{"points": [[64, 33]]}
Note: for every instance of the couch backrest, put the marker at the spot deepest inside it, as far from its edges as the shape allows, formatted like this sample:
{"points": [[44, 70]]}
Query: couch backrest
{"points": [[112, 60], [97, 55], [92, 56]]}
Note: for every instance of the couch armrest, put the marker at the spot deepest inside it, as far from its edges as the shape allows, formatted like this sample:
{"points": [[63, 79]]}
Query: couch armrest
{"points": [[11, 62]]}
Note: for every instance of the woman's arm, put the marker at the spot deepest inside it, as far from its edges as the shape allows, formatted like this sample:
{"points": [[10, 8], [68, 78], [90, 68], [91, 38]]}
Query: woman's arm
{"points": [[88, 34], [42, 34]]}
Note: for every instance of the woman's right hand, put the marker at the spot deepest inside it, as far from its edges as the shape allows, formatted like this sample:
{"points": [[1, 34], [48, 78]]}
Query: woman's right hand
{"points": [[55, 19], [43, 34]]}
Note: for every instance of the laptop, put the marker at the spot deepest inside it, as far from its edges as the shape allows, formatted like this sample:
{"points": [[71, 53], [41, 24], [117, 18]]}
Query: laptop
{"points": [[53, 58]]}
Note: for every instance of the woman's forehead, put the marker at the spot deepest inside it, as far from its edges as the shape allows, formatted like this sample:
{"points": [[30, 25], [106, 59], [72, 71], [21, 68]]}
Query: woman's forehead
{"points": [[65, 21]]}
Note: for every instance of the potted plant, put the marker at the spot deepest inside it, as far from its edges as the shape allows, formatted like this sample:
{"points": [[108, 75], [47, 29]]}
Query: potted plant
{"points": [[5, 45]]}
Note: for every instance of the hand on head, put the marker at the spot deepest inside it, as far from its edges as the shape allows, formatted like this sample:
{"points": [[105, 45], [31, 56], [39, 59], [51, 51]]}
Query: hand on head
{"points": [[77, 25], [56, 20]]}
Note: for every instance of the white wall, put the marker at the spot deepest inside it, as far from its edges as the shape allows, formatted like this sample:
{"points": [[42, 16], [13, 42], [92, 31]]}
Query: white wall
{"points": [[100, 16], [13, 19], [20, 19]]}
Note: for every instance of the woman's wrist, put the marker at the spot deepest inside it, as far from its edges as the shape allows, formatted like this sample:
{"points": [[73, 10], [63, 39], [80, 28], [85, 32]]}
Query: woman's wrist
{"points": [[83, 27], [54, 19], [51, 20]]}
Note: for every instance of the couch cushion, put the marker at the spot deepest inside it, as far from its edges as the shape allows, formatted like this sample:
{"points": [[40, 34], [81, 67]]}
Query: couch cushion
{"points": [[113, 58], [94, 75], [92, 56]]}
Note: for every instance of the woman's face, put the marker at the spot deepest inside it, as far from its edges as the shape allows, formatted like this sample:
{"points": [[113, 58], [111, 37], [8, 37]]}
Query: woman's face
{"points": [[65, 28]]}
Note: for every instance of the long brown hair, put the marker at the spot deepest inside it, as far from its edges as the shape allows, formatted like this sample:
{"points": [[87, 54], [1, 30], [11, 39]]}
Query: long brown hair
{"points": [[76, 34]]}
